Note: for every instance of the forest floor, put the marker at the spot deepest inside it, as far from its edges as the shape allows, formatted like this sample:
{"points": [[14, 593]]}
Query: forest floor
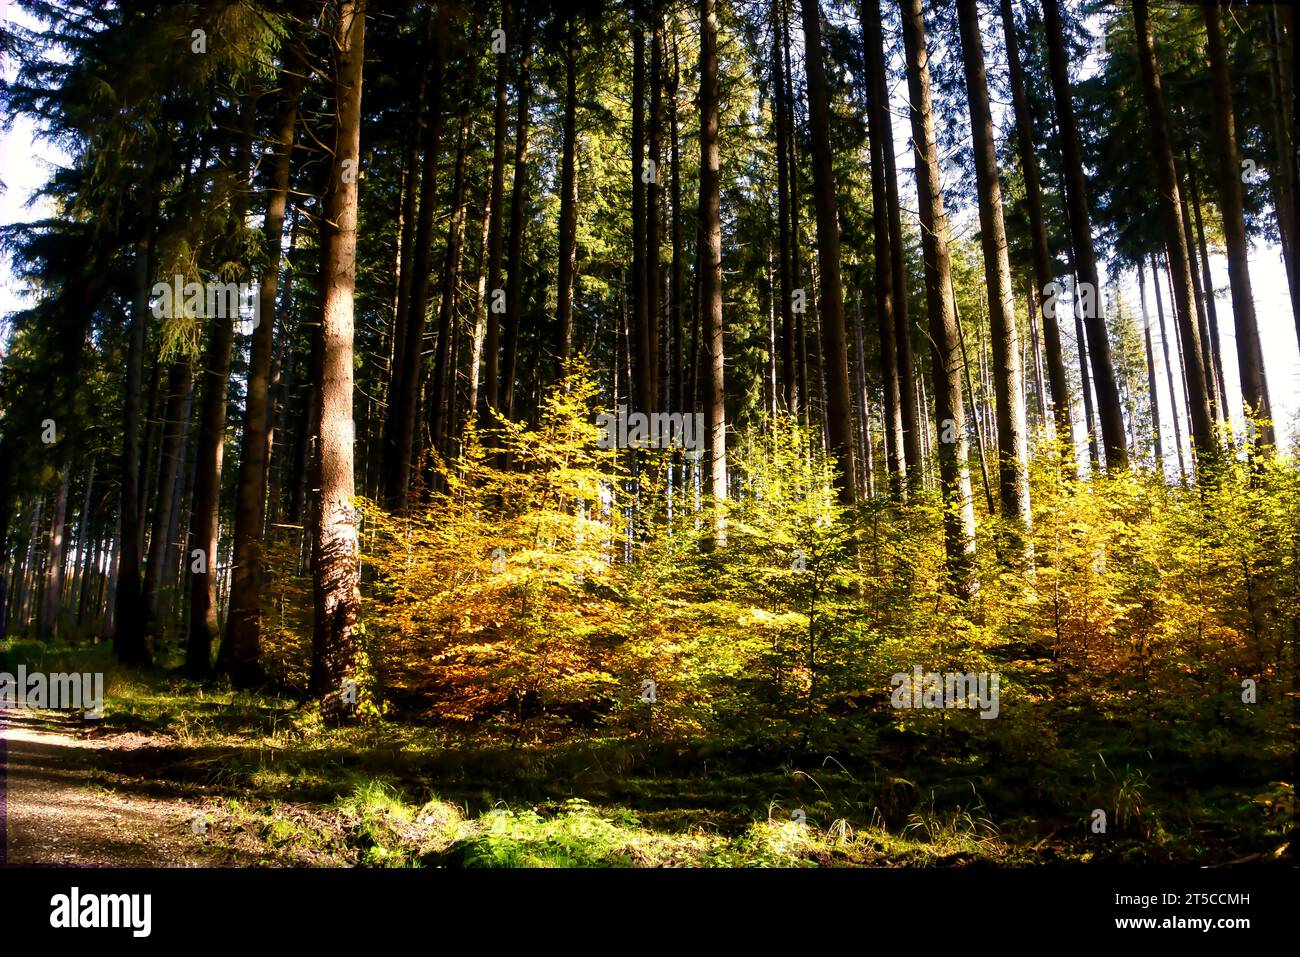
{"points": [[179, 774]]}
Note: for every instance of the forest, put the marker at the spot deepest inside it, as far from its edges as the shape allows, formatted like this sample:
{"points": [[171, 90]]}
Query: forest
{"points": [[672, 433]]}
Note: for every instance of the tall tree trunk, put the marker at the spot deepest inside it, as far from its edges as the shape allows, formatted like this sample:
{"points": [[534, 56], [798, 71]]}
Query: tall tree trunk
{"points": [[52, 595], [404, 393], [950, 410], [1169, 369], [336, 653], [1207, 285], [180, 391], [1250, 355], [710, 267], [491, 389], [678, 292], [780, 122], [568, 199], [882, 140], [1028, 154], [642, 365], [443, 364], [205, 513], [130, 644], [654, 202], [1008, 380], [518, 198], [1076, 194], [1152, 387], [240, 655], [839, 401], [1198, 400]]}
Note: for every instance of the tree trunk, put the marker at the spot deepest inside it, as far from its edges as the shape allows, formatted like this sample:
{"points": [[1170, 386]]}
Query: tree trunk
{"points": [[568, 200], [180, 391], [882, 141], [839, 401], [1250, 355], [1152, 388], [130, 644], [1008, 378], [710, 267], [1028, 154], [1169, 369], [1198, 401], [491, 389], [336, 653], [241, 652], [404, 392], [950, 410], [1076, 195], [518, 198], [52, 595]]}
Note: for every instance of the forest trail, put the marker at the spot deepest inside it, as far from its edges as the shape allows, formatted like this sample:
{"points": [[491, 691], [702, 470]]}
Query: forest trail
{"points": [[66, 801]]}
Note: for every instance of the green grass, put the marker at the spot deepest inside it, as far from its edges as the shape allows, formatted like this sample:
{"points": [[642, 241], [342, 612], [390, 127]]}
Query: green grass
{"points": [[284, 787]]}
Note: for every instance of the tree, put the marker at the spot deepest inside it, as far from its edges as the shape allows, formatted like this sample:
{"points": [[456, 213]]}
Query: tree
{"points": [[1198, 399], [568, 197], [1076, 195], [839, 402], [1250, 356], [949, 407], [1043, 277], [710, 268], [336, 652], [241, 649], [1009, 386]]}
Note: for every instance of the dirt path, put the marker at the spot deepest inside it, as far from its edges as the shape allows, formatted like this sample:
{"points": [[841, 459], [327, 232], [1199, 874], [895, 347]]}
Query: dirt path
{"points": [[66, 801]]}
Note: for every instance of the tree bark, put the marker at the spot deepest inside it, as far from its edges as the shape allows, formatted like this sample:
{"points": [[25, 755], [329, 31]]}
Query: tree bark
{"points": [[839, 401], [336, 653], [1250, 355], [1198, 400], [710, 268], [1028, 154], [568, 200], [882, 140], [1008, 377], [1076, 194], [240, 655], [950, 410]]}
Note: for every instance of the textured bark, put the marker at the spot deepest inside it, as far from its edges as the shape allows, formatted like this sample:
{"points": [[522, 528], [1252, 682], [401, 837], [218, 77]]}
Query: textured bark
{"points": [[518, 198], [336, 652], [1152, 381], [1008, 377], [404, 394], [1250, 356], [52, 594], [241, 650], [130, 644], [1169, 369], [568, 199], [710, 268], [642, 366], [1028, 154], [949, 408], [838, 396], [1198, 400], [180, 392], [882, 140], [491, 388], [1076, 195]]}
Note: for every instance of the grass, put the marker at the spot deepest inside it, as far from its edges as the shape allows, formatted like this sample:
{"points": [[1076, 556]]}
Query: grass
{"points": [[280, 787]]}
